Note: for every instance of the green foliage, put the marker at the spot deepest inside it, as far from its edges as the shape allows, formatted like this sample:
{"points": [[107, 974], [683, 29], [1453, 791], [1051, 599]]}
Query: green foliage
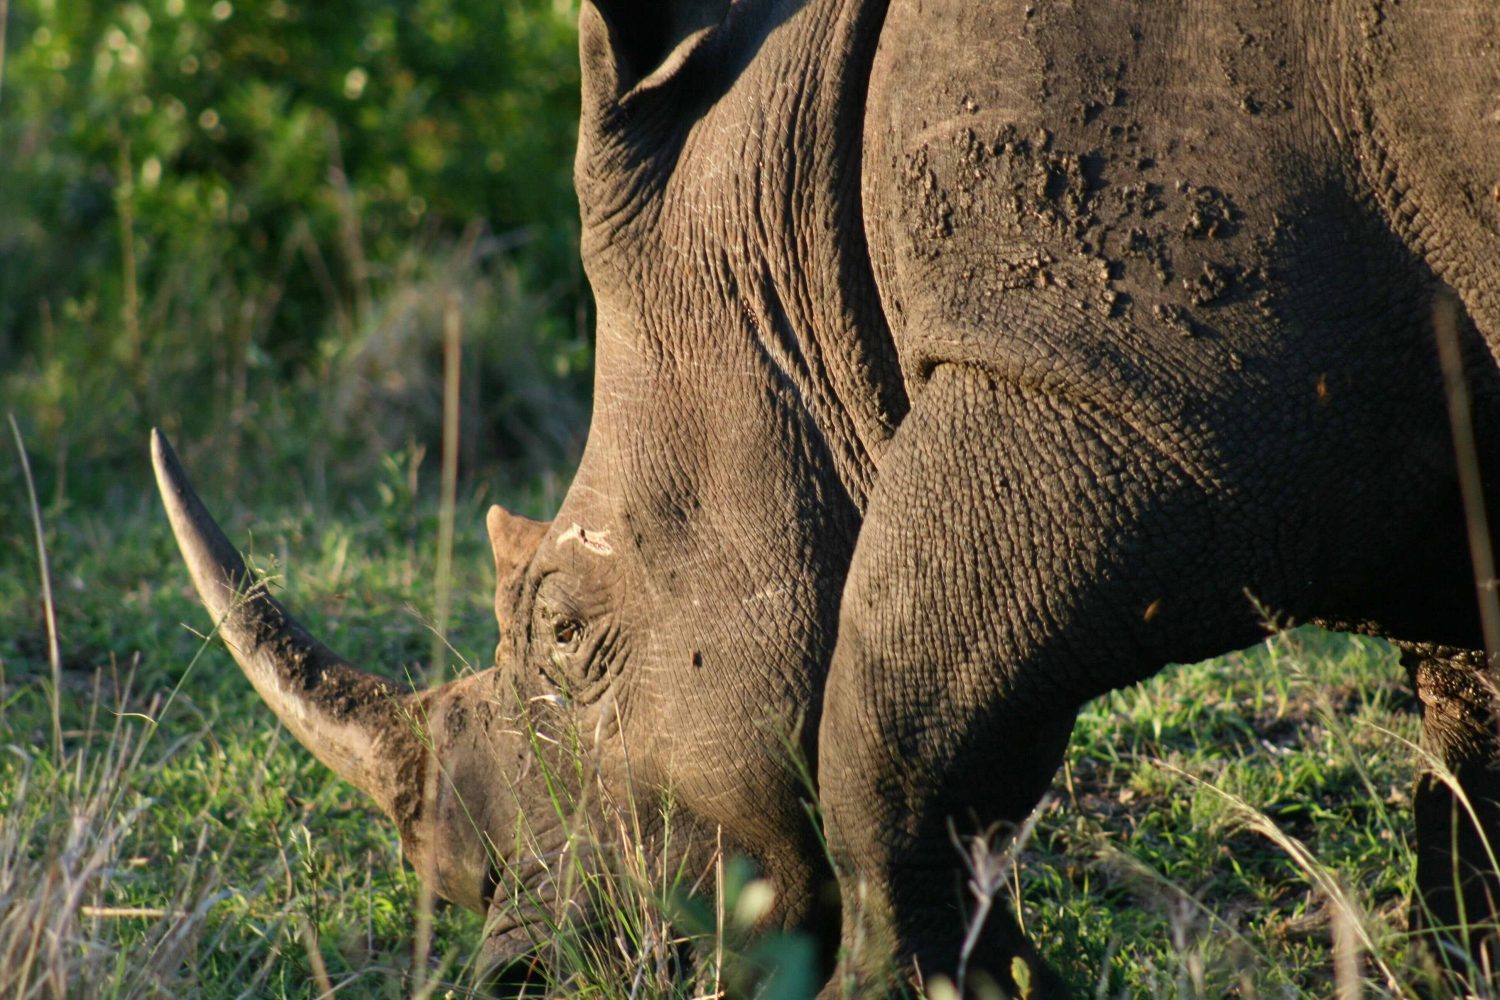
{"points": [[229, 127], [206, 209], [751, 960]]}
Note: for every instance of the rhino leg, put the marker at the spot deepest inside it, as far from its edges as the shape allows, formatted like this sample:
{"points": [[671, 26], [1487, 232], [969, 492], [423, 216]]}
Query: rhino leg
{"points": [[1022, 553], [1458, 888]]}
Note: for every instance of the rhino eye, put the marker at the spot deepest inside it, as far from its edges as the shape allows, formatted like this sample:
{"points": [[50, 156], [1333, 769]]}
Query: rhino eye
{"points": [[566, 631]]}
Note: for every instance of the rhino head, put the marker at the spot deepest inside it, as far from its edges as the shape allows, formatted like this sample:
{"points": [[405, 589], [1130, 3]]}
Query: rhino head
{"points": [[672, 625]]}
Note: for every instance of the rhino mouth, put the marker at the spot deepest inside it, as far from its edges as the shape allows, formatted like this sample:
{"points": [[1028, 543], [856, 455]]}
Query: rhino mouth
{"points": [[525, 907], [520, 924], [531, 912], [518, 953], [516, 940]]}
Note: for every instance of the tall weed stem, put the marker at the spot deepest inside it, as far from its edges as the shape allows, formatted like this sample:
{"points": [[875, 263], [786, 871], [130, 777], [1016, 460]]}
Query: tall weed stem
{"points": [[54, 652]]}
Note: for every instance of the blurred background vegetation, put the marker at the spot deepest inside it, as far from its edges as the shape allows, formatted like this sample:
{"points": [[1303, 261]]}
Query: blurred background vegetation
{"points": [[246, 220]]}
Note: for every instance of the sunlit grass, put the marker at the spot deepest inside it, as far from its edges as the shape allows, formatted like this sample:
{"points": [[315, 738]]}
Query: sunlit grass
{"points": [[1214, 825], [204, 827], [180, 843]]}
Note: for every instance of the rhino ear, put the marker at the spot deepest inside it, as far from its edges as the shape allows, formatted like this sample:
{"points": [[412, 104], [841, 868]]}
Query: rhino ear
{"points": [[621, 42], [514, 540]]}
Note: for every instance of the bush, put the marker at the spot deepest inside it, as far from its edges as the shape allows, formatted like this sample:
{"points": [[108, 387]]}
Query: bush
{"points": [[204, 206]]}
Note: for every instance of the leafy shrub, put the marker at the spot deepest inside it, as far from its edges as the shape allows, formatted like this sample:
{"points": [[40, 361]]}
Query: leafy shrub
{"points": [[203, 205]]}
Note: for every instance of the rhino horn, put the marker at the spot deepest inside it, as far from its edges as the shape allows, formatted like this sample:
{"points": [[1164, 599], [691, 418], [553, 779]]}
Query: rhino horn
{"points": [[354, 722]]}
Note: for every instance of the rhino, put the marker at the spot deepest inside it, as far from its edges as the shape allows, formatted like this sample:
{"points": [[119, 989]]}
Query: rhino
{"points": [[956, 364]]}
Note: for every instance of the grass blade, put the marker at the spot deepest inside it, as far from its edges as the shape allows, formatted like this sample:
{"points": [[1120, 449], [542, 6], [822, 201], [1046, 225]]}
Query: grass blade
{"points": [[54, 652], [1450, 355]]}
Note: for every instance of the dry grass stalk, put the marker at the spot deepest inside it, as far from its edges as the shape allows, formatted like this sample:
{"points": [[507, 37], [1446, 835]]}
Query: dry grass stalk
{"points": [[54, 651]]}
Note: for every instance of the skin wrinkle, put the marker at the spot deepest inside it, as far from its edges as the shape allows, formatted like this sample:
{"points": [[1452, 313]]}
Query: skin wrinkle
{"points": [[1396, 185], [796, 359], [718, 795], [1096, 394], [792, 83]]}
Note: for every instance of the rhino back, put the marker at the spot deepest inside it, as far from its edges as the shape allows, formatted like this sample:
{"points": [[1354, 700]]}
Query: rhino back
{"points": [[1171, 211], [1129, 174]]}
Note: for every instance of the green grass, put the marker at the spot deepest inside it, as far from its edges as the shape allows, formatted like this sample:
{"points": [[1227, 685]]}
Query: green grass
{"points": [[190, 798], [1146, 867], [179, 842]]}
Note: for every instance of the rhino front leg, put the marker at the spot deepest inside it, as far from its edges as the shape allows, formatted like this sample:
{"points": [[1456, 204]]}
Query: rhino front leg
{"points": [[1022, 553], [1458, 888]]}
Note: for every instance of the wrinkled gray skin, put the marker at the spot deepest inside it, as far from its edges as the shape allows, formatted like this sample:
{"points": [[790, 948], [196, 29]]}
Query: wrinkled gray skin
{"points": [[958, 363]]}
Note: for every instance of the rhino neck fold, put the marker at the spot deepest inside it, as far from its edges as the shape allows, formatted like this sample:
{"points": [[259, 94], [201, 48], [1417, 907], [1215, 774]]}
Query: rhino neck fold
{"points": [[819, 320], [743, 171]]}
